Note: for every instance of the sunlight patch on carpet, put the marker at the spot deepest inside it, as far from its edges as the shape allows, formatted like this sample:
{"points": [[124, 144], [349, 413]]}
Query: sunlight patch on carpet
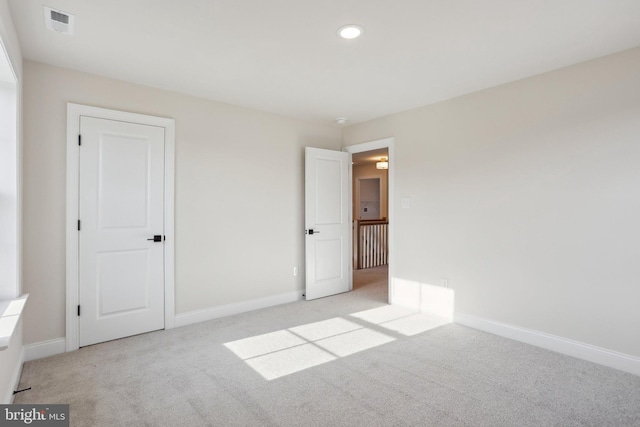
{"points": [[402, 320], [325, 329], [295, 349], [289, 361], [384, 314], [264, 344], [354, 342], [287, 351]]}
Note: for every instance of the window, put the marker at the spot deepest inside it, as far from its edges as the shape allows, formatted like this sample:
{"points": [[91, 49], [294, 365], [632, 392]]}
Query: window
{"points": [[9, 182]]}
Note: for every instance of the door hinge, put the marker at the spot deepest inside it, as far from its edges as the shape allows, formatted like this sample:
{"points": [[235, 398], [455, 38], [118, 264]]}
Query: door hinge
{"points": [[78, 310], [79, 139], [78, 225]]}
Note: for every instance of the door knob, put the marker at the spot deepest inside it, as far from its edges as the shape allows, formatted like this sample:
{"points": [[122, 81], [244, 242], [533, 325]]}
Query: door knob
{"points": [[312, 231], [156, 238]]}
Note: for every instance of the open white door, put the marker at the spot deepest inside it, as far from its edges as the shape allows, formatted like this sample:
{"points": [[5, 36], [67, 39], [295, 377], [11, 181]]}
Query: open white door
{"points": [[327, 222]]}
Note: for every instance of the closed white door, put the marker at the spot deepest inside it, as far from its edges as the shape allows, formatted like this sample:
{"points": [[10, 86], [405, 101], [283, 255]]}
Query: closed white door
{"points": [[327, 222], [121, 209]]}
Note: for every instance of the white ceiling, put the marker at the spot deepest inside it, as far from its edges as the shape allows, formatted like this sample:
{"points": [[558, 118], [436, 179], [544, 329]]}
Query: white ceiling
{"points": [[284, 56]]}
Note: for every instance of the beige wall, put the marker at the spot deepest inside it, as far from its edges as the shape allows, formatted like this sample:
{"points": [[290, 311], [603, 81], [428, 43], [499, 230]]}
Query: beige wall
{"points": [[368, 170], [527, 198], [239, 193]]}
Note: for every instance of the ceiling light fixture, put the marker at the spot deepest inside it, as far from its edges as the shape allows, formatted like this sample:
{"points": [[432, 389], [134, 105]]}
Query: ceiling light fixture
{"points": [[382, 164], [341, 120], [350, 31]]}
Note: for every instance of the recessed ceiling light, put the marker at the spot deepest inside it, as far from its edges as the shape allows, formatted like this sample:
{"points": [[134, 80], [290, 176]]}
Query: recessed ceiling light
{"points": [[350, 31], [341, 120]]}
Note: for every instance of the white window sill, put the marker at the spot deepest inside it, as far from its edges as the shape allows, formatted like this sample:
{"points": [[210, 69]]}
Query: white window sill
{"points": [[10, 312]]}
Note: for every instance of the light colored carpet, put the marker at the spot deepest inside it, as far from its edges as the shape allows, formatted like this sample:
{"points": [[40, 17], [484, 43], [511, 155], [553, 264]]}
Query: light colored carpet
{"points": [[347, 360]]}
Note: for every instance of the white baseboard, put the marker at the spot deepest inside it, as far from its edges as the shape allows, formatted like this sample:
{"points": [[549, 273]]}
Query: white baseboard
{"points": [[237, 308], [44, 349], [591, 353]]}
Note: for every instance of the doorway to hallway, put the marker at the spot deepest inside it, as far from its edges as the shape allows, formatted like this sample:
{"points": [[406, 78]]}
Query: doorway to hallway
{"points": [[371, 226], [372, 283]]}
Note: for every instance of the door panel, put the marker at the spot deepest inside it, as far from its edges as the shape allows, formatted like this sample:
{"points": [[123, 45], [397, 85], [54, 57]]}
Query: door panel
{"points": [[111, 284], [328, 191], [328, 257], [327, 214], [123, 197], [121, 277]]}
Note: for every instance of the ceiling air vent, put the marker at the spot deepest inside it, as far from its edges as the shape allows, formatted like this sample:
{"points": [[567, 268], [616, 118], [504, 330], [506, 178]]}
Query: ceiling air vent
{"points": [[57, 20]]}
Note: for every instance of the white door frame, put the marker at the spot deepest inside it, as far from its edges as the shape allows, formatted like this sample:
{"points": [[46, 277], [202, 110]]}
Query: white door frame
{"points": [[387, 143], [74, 112]]}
